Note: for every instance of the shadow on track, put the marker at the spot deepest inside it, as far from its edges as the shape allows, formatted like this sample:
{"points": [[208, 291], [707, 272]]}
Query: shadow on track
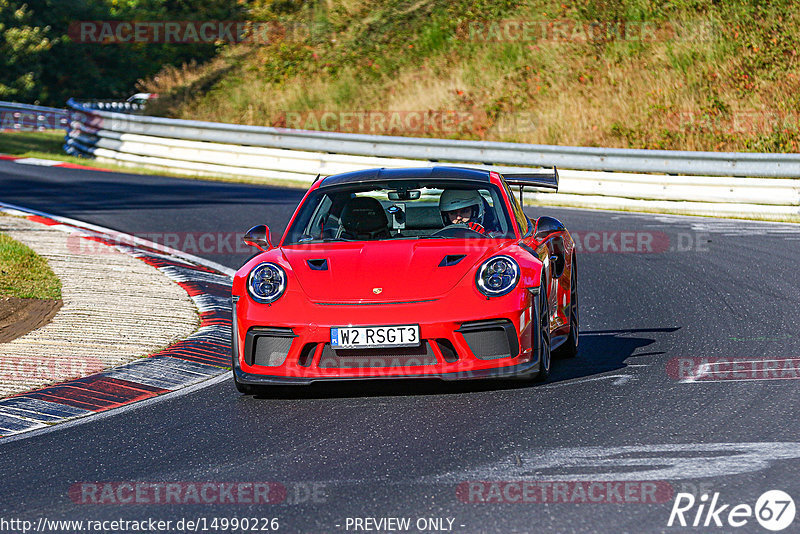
{"points": [[601, 351]]}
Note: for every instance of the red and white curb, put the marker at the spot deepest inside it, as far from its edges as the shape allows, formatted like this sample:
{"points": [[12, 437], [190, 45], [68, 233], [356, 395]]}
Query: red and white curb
{"points": [[202, 356], [48, 163]]}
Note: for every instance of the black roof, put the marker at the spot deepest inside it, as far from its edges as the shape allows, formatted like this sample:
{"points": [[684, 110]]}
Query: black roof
{"points": [[439, 174]]}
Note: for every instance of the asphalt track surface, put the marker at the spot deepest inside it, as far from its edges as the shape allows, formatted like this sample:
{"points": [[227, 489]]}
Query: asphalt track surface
{"points": [[402, 449]]}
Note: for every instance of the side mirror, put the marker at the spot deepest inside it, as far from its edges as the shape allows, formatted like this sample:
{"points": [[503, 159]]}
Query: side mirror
{"points": [[546, 226], [258, 236]]}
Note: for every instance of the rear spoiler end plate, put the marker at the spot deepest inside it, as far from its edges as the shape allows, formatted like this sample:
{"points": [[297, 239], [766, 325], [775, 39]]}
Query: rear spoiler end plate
{"points": [[546, 179]]}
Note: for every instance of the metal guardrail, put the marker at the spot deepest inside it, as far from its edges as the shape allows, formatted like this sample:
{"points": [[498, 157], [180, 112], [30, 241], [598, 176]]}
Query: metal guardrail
{"points": [[111, 105], [273, 153], [25, 117], [483, 152]]}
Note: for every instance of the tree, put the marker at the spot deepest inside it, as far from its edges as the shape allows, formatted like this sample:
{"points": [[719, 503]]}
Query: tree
{"points": [[22, 48], [39, 63]]}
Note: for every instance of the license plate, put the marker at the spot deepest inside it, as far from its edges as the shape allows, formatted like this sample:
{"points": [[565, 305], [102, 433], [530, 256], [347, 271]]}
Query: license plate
{"points": [[375, 336]]}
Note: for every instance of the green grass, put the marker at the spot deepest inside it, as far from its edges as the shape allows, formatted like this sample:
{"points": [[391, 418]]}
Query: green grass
{"points": [[24, 274], [32, 144], [48, 145], [715, 76]]}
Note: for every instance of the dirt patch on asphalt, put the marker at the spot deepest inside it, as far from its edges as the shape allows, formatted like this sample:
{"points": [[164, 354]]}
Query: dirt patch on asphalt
{"points": [[20, 316]]}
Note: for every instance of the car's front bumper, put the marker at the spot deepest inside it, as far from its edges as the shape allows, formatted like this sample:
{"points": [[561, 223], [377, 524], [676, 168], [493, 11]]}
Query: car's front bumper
{"points": [[287, 352], [522, 369]]}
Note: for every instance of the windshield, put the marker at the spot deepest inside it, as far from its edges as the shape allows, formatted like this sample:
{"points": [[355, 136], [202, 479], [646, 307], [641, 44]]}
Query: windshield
{"points": [[402, 210]]}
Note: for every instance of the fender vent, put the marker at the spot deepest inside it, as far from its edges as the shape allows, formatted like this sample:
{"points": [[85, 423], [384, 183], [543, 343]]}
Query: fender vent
{"points": [[451, 259], [318, 265]]}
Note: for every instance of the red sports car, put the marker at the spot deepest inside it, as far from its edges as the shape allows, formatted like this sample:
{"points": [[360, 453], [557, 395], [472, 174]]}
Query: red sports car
{"points": [[407, 273]]}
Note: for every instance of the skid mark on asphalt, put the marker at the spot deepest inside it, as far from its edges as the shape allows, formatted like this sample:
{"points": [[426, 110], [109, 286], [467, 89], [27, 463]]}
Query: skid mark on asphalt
{"points": [[617, 380], [638, 462], [695, 370], [728, 227], [746, 371]]}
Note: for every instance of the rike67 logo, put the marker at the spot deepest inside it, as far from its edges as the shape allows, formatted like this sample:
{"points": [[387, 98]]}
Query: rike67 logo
{"points": [[774, 510]]}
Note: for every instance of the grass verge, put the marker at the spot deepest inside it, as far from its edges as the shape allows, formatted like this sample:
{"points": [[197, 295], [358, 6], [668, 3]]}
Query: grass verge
{"points": [[24, 274], [659, 74]]}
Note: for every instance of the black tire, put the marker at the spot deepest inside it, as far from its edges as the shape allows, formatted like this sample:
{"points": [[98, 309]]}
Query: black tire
{"points": [[543, 316], [569, 349], [542, 309]]}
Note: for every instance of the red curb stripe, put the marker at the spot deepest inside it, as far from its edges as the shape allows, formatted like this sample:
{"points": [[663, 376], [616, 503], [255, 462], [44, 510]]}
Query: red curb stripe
{"points": [[210, 318], [61, 164], [42, 220], [192, 353], [163, 262], [216, 360], [97, 393], [66, 165], [188, 352], [191, 289]]}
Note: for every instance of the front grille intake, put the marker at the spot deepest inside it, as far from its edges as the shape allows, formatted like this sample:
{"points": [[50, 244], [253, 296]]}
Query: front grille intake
{"points": [[364, 358], [448, 350], [307, 355], [491, 340], [267, 347]]}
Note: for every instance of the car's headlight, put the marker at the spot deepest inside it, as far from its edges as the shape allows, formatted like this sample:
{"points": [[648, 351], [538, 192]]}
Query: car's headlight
{"points": [[497, 276], [266, 283]]}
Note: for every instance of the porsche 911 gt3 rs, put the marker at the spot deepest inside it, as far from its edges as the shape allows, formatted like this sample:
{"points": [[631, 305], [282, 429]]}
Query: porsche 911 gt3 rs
{"points": [[407, 273]]}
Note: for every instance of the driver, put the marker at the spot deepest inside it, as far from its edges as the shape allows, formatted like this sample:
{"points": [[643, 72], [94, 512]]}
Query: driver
{"points": [[460, 206]]}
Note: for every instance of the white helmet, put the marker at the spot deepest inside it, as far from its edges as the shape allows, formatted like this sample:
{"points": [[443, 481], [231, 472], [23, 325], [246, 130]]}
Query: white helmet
{"points": [[455, 199]]}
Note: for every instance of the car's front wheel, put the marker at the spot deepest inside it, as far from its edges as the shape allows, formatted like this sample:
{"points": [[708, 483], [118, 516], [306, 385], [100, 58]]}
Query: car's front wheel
{"points": [[543, 316], [570, 347]]}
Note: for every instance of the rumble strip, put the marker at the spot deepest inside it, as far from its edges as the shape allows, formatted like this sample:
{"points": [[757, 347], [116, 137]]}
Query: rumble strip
{"points": [[202, 356]]}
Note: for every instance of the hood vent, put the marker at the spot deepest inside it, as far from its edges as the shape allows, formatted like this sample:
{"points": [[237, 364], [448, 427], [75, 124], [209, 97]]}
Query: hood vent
{"points": [[318, 265], [451, 259]]}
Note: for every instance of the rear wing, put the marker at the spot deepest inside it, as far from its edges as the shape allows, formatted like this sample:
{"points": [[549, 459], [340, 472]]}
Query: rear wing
{"points": [[545, 178]]}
